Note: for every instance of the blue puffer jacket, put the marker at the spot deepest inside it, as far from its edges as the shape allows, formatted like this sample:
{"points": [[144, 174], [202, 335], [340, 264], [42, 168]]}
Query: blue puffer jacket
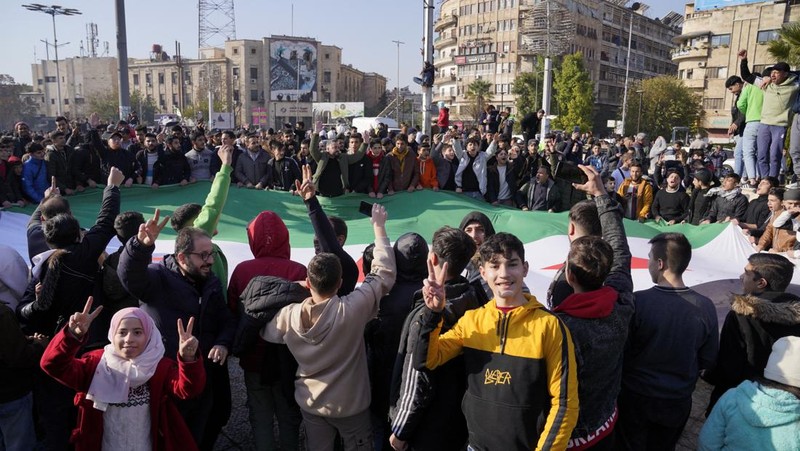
{"points": [[752, 416]]}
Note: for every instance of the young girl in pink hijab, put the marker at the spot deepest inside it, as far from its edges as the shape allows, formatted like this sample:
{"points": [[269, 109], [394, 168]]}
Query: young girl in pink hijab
{"points": [[126, 390]]}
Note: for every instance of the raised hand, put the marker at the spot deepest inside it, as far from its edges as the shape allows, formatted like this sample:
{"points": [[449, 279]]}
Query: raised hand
{"points": [[80, 322], [433, 287], [225, 154], [594, 183], [149, 231], [187, 343], [53, 189], [115, 177], [306, 190], [379, 215]]}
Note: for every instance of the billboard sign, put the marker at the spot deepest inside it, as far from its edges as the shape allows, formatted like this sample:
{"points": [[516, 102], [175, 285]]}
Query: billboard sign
{"points": [[292, 70], [284, 109], [331, 111], [259, 116], [461, 60], [704, 5]]}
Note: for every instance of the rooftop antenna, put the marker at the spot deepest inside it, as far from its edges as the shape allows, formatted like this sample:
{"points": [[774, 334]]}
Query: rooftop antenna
{"points": [[216, 23]]}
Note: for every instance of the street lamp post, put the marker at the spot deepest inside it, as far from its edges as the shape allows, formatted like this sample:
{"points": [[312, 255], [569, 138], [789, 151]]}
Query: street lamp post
{"points": [[54, 11], [397, 101], [633, 8]]}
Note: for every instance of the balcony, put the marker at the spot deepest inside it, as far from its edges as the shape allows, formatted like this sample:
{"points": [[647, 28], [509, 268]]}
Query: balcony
{"points": [[445, 22], [695, 83], [683, 53], [446, 61], [444, 41]]}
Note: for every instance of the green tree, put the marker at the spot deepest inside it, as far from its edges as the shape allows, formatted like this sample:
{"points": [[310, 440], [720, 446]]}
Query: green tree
{"points": [[478, 92], [665, 103], [106, 105], [574, 92], [14, 108], [528, 89], [144, 106], [787, 46]]}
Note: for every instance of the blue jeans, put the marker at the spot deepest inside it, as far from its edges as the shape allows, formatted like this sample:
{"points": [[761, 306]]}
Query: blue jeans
{"points": [[16, 424], [749, 145], [264, 402], [794, 144], [770, 149], [738, 165]]}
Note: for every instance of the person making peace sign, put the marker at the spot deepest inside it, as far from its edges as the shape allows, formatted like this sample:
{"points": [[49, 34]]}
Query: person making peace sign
{"points": [[126, 390]]}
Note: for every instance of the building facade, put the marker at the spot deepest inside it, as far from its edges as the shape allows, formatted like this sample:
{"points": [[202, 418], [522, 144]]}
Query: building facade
{"points": [[483, 40], [81, 79], [265, 82], [708, 45]]}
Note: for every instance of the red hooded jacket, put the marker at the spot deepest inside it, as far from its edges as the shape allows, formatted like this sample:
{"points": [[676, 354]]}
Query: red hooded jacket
{"points": [[269, 242]]}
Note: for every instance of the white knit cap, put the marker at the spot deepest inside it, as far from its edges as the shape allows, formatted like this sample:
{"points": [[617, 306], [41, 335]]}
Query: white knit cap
{"points": [[784, 363]]}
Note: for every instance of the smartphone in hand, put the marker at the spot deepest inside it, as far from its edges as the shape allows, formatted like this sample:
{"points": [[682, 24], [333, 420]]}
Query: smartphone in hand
{"points": [[365, 208]]}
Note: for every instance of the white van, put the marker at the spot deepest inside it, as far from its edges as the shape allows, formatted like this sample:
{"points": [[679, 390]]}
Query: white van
{"points": [[367, 123]]}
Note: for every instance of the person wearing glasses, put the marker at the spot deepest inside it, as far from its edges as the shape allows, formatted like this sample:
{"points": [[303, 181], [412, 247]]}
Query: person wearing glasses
{"points": [[184, 285]]}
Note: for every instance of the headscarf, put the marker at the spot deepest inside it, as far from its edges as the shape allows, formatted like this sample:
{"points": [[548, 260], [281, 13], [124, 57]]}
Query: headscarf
{"points": [[115, 375]]}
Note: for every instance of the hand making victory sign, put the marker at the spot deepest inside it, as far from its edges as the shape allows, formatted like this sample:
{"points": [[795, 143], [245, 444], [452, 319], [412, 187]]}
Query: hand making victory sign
{"points": [[187, 343], [79, 322], [433, 287], [149, 231], [306, 190]]}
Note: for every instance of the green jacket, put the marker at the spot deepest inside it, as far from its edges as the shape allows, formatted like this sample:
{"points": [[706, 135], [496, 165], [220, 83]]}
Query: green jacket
{"points": [[749, 103], [778, 101], [209, 217], [322, 158]]}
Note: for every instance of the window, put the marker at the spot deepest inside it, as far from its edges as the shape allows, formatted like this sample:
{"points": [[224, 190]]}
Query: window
{"points": [[66, 101], [712, 104], [174, 99], [254, 73], [148, 78], [765, 36], [80, 101], [254, 95], [326, 76], [135, 79], [162, 99], [253, 51], [174, 78], [49, 79], [235, 71], [720, 39], [717, 72], [161, 78], [235, 95], [52, 101], [235, 51], [327, 56]]}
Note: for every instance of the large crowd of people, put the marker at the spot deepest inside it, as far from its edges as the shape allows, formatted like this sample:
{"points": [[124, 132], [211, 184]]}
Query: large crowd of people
{"points": [[441, 346]]}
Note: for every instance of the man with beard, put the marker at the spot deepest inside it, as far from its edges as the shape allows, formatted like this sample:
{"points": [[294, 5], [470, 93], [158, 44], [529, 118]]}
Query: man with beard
{"points": [[332, 176], [638, 194], [22, 136], [59, 163], [180, 287]]}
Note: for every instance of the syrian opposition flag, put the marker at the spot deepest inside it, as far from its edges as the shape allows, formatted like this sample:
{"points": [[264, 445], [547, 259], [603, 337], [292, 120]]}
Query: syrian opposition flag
{"points": [[719, 251]]}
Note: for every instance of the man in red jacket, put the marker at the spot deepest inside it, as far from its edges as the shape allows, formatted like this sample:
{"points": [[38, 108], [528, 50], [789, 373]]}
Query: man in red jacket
{"points": [[269, 242]]}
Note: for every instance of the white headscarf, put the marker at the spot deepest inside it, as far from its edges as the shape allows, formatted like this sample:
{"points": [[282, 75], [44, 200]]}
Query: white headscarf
{"points": [[115, 375]]}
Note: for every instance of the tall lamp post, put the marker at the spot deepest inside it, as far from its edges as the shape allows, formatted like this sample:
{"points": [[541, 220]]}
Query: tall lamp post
{"points": [[397, 117], [54, 11], [635, 6]]}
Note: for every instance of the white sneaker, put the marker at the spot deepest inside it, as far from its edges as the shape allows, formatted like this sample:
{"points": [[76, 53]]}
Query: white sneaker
{"points": [[794, 185]]}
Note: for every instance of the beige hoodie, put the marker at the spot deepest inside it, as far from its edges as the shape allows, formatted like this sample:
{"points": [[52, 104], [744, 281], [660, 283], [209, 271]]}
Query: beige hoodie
{"points": [[332, 366]]}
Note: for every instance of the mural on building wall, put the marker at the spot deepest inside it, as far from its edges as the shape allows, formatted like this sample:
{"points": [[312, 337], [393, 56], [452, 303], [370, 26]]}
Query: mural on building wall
{"points": [[293, 64]]}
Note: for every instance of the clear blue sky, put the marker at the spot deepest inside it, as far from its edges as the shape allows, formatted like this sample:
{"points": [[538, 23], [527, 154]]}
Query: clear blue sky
{"points": [[364, 29]]}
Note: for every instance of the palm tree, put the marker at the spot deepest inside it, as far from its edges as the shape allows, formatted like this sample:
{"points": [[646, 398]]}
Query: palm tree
{"points": [[787, 46], [479, 91]]}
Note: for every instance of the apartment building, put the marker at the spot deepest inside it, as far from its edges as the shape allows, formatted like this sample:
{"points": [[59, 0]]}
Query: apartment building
{"points": [[706, 50], [81, 79]]}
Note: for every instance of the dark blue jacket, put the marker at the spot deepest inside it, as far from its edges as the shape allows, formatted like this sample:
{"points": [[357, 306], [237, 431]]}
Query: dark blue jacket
{"points": [[167, 295]]}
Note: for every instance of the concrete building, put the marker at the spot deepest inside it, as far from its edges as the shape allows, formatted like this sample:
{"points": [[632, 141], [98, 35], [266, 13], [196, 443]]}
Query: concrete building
{"points": [[707, 48], [266, 82], [81, 79], [483, 41]]}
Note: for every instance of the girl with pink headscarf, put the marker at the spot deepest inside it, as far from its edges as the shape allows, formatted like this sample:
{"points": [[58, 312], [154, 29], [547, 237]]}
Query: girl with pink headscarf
{"points": [[126, 390]]}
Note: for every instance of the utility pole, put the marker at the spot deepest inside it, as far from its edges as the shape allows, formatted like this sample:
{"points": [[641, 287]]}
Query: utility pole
{"points": [[427, 91], [547, 83], [122, 61], [54, 11], [633, 8], [397, 101]]}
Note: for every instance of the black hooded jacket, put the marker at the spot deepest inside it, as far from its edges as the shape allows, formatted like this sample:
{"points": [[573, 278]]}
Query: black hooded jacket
{"points": [[748, 333], [382, 334], [473, 274], [420, 399]]}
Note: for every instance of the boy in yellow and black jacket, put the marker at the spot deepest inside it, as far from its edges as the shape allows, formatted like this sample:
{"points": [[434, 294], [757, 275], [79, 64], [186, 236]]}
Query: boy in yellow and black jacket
{"points": [[519, 358]]}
